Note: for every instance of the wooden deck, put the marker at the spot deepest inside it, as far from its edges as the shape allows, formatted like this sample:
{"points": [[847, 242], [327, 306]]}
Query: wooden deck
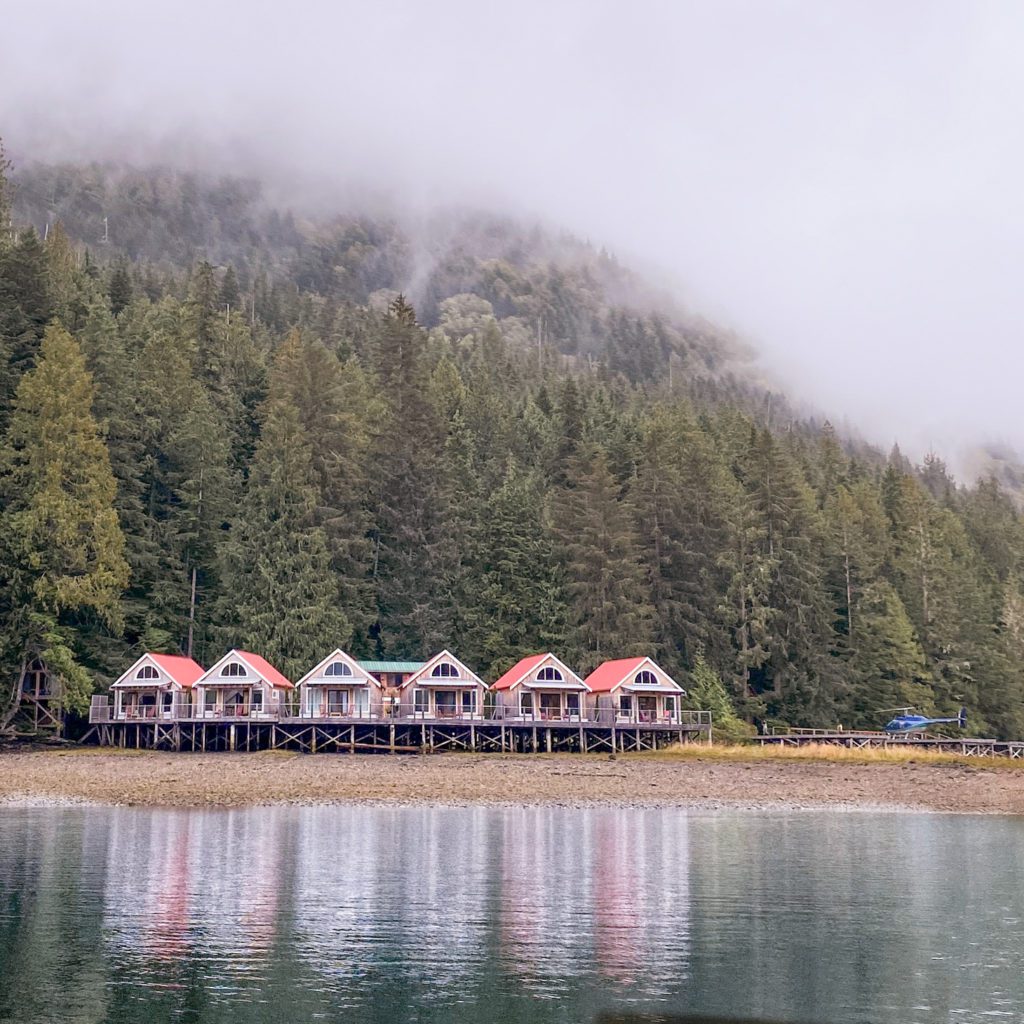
{"points": [[868, 740], [314, 736]]}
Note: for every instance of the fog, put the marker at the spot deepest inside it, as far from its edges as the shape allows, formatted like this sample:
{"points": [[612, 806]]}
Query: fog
{"points": [[840, 182]]}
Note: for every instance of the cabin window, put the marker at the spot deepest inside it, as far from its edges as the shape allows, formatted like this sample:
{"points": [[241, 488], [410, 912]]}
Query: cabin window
{"points": [[420, 701], [468, 702], [625, 704], [257, 700], [233, 668], [670, 707], [147, 672], [338, 668], [572, 704], [550, 674], [645, 678], [168, 701], [210, 699], [446, 670], [526, 703], [337, 702]]}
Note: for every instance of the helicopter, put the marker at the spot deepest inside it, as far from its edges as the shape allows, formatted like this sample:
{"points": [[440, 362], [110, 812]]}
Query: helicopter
{"points": [[907, 721]]}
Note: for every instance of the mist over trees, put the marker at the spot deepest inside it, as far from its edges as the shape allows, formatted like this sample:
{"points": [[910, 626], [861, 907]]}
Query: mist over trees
{"points": [[225, 425]]}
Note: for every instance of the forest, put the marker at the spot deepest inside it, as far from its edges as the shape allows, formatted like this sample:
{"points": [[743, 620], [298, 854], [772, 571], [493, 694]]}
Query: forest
{"points": [[225, 423]]}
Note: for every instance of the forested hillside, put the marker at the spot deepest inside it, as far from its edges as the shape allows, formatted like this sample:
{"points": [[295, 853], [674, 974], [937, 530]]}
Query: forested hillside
{"points": [[224, 424]]}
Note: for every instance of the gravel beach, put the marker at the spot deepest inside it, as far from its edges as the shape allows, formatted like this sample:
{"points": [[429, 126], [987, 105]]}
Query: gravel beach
{"points": [[237, 780]]}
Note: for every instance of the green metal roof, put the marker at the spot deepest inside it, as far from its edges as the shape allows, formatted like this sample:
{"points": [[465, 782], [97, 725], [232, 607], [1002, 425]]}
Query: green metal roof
{"points": [[391, 666]]}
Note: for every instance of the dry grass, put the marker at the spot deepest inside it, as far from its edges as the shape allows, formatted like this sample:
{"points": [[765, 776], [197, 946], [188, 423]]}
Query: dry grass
{"points": [[895, 754]]}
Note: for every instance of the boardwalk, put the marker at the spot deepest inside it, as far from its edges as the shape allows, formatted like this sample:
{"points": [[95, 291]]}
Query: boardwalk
{"points": [[491, 731], [867, 740]]}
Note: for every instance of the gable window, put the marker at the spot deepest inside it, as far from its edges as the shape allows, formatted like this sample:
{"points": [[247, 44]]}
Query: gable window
{"points": [[338, 668], [233, 668], [550, 674], [147, 672], [446, 670], [645, 678]]}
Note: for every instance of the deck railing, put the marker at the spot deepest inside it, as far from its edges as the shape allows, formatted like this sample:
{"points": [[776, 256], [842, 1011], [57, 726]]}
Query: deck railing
{"points": [[102, 711]]}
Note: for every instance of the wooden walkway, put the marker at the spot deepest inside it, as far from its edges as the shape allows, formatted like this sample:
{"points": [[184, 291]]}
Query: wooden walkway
{"points": [[395, 736], [867, 740]]}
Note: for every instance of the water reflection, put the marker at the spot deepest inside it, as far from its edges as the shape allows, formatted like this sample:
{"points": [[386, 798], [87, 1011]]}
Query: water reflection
{"points": [[514, 914]]}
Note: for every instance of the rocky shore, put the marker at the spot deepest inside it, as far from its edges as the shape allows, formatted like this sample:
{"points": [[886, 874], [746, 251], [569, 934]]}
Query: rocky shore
{"points": [[237, 780]]}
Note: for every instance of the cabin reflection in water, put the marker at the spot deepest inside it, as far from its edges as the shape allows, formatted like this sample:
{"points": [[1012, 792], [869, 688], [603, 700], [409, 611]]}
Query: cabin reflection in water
{"points": [[364, 897]]}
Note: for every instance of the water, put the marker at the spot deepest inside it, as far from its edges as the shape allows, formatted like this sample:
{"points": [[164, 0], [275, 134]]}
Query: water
{"points": [[474, 915]]}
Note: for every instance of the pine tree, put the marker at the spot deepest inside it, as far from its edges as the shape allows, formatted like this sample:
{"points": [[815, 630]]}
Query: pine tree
{"points": [[338, 411], [25, 308], [609, 614], [412, 553], [279, 595], [63, 550], [120, 288]]}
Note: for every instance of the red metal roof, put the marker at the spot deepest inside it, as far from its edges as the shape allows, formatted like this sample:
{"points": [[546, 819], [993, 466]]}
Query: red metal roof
{"points": [[184, 671], [609, 674], [265, 669], [518, 670]]}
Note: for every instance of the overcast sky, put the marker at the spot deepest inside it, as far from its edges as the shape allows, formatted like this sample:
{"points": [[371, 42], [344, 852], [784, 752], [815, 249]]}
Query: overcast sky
{"points": [[840, 182]]}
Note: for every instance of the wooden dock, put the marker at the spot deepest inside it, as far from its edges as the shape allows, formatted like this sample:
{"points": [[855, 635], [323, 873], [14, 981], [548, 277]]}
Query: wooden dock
{"points": [[867, 740], [313, 736]]}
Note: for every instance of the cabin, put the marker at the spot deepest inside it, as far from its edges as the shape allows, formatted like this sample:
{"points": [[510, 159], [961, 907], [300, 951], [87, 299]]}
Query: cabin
{"points": [[540, 688], [242, 685], [633, 690], [338, 687], [442, 687], [157, 686]]}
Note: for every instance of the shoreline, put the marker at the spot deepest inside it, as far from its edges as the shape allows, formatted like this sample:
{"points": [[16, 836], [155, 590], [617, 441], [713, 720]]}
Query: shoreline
{"points": [[89, 777]]}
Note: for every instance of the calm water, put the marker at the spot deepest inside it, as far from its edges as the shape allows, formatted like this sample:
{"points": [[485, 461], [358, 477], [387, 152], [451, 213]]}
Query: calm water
{"points": [[474, 915]]}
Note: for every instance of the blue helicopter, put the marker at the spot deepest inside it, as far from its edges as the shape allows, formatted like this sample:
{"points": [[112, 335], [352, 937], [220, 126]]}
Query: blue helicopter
{"points": [[907, 721]]}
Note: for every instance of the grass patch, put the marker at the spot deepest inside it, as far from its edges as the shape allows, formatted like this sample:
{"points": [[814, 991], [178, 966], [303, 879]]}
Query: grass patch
{"points": [[817, 752]]}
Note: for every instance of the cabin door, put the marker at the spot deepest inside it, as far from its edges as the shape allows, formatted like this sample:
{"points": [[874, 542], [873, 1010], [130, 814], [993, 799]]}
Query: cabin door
{"points": [[362, 702], [647, 708], [445, 703]]}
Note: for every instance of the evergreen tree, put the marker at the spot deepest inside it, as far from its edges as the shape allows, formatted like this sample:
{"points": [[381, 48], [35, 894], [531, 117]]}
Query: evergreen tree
{"points": [[609, 614], [338, 409], [63, 550], [279, 595]]}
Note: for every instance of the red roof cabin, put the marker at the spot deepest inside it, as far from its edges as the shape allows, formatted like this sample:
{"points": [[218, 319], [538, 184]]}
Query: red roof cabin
{"points": [[156, 686], [541, 688], [443, 688], [241, 685], [338, 687], [633, 691]]}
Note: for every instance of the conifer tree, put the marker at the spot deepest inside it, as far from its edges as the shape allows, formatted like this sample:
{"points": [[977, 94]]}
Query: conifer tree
{"points": [[609, 614], [338, 411], [63, 550], [279, 595]]}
